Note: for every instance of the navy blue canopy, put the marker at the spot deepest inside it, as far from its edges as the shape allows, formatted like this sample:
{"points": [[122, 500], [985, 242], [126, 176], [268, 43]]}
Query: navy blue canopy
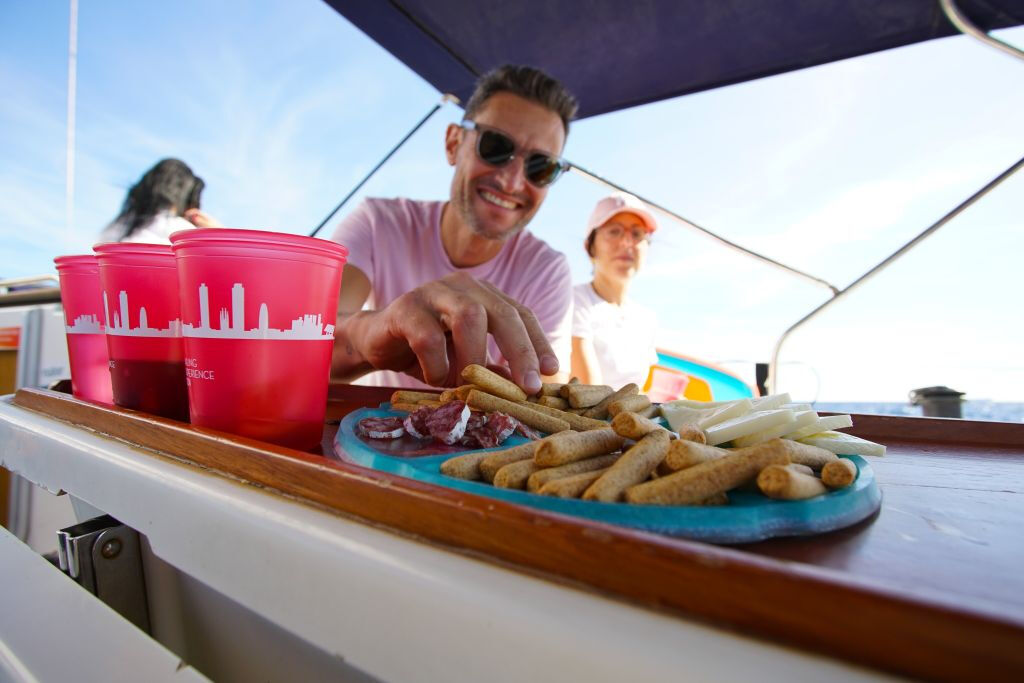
{"points": [[614, 54]]}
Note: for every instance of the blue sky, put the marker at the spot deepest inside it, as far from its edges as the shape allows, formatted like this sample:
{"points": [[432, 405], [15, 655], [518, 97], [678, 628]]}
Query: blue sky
{"points": [[282, 107]]}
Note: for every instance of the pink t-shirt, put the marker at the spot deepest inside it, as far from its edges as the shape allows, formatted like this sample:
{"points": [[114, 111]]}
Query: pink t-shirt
{"points": [[397, 244]]}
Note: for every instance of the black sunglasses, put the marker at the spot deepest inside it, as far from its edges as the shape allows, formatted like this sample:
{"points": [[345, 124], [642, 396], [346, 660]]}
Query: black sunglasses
{"points": [[497, 149]]}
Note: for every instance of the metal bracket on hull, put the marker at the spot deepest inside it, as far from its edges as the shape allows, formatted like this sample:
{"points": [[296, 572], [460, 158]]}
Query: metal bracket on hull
{"points": [[102, 555]]}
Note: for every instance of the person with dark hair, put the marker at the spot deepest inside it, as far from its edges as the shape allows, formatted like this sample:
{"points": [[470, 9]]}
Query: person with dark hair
{"points": [[612, 335], [450, 283], [165, 200]]}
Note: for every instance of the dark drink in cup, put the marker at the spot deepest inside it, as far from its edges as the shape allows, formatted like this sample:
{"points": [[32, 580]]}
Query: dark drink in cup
{"points": [[143, 327]]}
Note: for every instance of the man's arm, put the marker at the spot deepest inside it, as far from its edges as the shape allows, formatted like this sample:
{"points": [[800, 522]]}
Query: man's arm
{"points": [[435, 330], [346, 363]]}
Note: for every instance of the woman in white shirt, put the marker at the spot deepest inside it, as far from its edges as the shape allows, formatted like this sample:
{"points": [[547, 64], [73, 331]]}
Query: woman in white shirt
{"points": [[613, 336], [165, 200]]}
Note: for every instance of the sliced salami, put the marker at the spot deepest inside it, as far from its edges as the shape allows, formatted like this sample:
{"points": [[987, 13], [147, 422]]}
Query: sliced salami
{"points": [[476, 420], [529, 432], [498, 428], [448, 422], [416, 423], [475, 423], [381, 427]]}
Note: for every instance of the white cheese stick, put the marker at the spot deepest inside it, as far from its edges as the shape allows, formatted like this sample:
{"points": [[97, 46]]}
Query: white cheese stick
{"points": [[844, 444], [748, 424], [800, 420], [822, 424]]}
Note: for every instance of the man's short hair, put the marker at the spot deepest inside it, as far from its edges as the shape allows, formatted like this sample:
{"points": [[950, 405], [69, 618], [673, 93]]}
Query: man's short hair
{"points": [[526, 82]]}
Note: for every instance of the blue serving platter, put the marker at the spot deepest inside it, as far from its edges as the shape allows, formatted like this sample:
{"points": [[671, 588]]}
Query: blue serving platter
{"points": [[748, 517]]}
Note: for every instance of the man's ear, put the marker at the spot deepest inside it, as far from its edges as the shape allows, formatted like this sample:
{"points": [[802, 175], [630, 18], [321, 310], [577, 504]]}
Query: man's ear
{"points": [[452, 138]]}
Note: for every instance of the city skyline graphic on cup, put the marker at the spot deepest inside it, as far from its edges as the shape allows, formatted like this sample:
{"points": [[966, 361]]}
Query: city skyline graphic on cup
{"points": [[121, 325], [87, 323], [142, 315], [88, 359], [308, 326], [258, 311]]}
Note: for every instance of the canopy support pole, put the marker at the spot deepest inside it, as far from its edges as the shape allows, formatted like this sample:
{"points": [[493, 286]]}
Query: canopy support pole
{"points": [[433, 110], [69, 164], [773, 369], [964, 25], [693, 226]]}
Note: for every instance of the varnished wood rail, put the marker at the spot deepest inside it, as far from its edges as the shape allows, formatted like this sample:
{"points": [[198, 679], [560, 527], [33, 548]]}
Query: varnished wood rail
{"points": [[862, 619]]}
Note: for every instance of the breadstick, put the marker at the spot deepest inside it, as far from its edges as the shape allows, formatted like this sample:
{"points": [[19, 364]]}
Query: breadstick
{"points": [[812, 456], [576, 422], [751, 484], [556, 402], [632, 426], [697, 483], [526, 413], [576, 411], [541, 477], [495, 460], [577, 446], [839, 473], [551, 389], [663, 470], [632, 404], [429, 403], [633, 467], [683, 454], [649, 412], [721, 498], [564, 390], [782, 483], [600, 411], [692, 433], [587, 395], [514, 475], [462, 393], [408, 396], [447, 395], [492, 383], [408, 407], [571, 487], [464, 466]]}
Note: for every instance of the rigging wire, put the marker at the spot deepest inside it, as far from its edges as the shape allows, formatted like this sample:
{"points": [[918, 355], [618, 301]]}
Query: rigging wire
{"points": [[960, 208], [593, 177], [433, 110]]}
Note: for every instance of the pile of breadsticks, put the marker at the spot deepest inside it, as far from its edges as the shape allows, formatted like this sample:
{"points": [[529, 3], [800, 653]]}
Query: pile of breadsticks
{"points": [[632, 458]]}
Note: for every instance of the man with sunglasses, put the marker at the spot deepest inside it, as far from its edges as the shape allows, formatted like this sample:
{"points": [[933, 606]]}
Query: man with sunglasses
{"points": [[458, 282]]}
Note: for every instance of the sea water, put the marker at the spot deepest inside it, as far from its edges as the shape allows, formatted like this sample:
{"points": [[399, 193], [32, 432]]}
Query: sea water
{"points": [[990, 411]]}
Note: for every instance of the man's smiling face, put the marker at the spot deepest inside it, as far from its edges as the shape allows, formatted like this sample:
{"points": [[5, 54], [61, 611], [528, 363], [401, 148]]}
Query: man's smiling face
{"points": [[497, 202]]}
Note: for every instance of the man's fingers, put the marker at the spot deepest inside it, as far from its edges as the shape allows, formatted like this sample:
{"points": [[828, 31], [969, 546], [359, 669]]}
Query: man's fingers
{"points": [[471, 309], [426, 339], [500, 370], [461, 313], [541, 355]]}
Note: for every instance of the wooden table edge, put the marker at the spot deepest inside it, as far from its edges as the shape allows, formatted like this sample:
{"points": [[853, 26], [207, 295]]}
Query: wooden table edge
{"points": [[797, 604]]}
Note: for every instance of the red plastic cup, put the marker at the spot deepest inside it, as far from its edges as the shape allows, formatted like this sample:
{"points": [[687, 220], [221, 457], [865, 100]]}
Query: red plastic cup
{"points": [[83, 319], [258, 312], [143, 323]]}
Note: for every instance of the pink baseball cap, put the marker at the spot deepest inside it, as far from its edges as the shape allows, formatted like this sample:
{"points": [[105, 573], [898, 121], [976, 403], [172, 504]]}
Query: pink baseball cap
{"points": [[620, 202]]}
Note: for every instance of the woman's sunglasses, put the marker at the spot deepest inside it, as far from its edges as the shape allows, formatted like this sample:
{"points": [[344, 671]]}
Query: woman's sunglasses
{"points": [[497, 149]]}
